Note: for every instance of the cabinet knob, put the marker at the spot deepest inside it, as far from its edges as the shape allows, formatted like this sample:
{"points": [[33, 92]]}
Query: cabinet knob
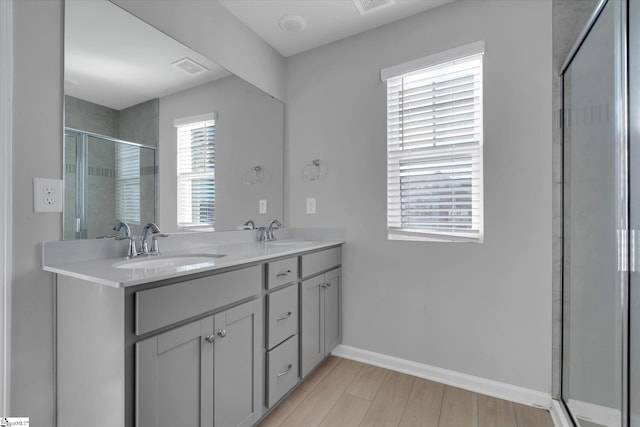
{"points": [[328, 285], [222, 333], [210, 338]]}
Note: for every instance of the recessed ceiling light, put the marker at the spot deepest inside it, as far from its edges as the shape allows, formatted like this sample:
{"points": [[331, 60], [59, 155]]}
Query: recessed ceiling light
{"points": [[189, 66], [292, 23]]}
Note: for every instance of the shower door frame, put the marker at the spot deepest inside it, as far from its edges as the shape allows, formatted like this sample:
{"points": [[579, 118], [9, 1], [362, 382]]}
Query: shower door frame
{"points": [[82, 153], [622, 138]]}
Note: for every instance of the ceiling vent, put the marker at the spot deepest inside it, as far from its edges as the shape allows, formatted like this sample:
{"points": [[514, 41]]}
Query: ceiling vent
{"points": [[368, 6], [189, 66]]}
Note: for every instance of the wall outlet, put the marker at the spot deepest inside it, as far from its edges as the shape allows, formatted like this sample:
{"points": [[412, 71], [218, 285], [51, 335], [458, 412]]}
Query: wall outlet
{"points": [[47, 195], [311, 205], [262, 206]]}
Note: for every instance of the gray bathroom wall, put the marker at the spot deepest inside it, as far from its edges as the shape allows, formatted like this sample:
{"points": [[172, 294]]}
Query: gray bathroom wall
{"points": [[479, 309], [37, 152]]}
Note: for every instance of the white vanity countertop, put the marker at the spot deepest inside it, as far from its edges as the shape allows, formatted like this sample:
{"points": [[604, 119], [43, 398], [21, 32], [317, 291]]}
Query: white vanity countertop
{"points": [[102, 270]]}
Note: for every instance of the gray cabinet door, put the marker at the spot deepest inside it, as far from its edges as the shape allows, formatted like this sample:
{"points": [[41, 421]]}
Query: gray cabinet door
{"points": [[174, 377], [312, 326], [200, 374], [235, 331], [332, 311]]}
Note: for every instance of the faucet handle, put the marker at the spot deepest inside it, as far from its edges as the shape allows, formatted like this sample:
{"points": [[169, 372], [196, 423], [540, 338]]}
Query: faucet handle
{"points": [[155, 250], [263, 233], [249, 225], [132, 251]]}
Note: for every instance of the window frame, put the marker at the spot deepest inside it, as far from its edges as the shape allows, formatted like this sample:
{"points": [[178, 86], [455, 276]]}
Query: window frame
{"points": [[434, 156], [203, 120], [127, 180]]}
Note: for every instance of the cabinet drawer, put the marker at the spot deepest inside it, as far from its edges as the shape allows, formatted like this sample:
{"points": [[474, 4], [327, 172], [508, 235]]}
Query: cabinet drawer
{"points": [[321, 261], [163, 306], [282, 370], [282, 272], [282, 315]]}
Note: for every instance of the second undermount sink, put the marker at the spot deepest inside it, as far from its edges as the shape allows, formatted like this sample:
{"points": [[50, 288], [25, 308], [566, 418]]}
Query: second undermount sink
{"points": [[173, 261]]}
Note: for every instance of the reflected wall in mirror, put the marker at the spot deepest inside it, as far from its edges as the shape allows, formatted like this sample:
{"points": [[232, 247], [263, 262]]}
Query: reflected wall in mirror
{"points": [[127, 81]]}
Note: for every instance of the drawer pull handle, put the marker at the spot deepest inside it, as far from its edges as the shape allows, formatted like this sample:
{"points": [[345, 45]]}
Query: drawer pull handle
{"points": [[285, 372], [210, 338], [286, 316], [284, 273]]}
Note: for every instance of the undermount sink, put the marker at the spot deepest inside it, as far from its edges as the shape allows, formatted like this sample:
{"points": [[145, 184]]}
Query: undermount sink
{"points": [[173, 261]]}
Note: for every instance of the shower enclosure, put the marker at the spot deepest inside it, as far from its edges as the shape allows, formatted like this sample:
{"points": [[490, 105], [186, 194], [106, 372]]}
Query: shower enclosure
{"points": [[106, 180], [601, 227]]}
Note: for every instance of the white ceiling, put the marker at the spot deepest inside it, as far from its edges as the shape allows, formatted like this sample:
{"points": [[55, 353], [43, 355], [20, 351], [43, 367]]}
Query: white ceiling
{"points": [[327, 20], [116, 60]]}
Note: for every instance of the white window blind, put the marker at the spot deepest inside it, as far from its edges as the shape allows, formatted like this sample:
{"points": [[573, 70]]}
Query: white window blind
{"points": [[196, 172], [128, 183], [434, 148]]}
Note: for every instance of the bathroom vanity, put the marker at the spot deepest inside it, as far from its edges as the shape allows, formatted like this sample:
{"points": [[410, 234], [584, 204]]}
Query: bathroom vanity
{"points": [[217, 342]]}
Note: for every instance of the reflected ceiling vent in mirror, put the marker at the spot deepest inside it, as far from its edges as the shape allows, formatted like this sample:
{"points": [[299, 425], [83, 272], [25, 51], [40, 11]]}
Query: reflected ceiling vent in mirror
{"points": [[368, 6], [189, 66], [292, 23]]}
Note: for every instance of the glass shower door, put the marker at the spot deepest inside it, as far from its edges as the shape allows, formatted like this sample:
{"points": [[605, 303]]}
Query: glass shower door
{"points": [[106, 180], [595, 226], [634, 209]]}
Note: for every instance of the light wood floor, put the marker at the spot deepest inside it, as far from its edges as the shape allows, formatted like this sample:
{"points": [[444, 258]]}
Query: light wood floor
{"points": [[345, 393]]}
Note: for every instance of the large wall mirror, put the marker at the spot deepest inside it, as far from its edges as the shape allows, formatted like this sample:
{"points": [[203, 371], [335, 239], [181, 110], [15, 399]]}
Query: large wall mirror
{"points": [[133, 97]]}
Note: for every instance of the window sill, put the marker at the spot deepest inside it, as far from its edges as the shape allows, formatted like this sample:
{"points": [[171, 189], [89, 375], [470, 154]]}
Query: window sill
{"points": [[440, 238]]}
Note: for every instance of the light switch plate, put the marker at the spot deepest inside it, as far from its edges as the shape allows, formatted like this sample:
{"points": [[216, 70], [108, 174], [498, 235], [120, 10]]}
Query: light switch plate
{"points": [[311, 205], [262, 206], [47, 195]]}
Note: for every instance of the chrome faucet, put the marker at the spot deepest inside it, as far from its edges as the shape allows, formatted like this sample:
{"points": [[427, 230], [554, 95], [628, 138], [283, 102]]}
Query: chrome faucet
{"points": [[268, 234], [120, 225], [249, 225], [155, 230]]}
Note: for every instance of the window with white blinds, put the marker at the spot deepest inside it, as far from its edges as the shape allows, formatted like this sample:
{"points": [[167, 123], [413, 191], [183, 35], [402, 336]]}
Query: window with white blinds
{"points": [[127, 183], [196, 171], [434, 147]]}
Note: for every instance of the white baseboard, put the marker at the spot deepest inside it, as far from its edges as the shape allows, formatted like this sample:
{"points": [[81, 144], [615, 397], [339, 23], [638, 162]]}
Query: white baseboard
{"points": [[558, 415], [468, 382]]}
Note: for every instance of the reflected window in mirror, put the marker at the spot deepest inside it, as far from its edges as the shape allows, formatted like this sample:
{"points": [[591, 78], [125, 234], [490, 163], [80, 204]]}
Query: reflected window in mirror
{"points": [[196, 172], [128, 168]]}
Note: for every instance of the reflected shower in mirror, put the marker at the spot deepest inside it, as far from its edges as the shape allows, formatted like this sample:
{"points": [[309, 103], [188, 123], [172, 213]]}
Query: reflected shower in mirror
{"points": [[127, 81], [106, 179]]}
